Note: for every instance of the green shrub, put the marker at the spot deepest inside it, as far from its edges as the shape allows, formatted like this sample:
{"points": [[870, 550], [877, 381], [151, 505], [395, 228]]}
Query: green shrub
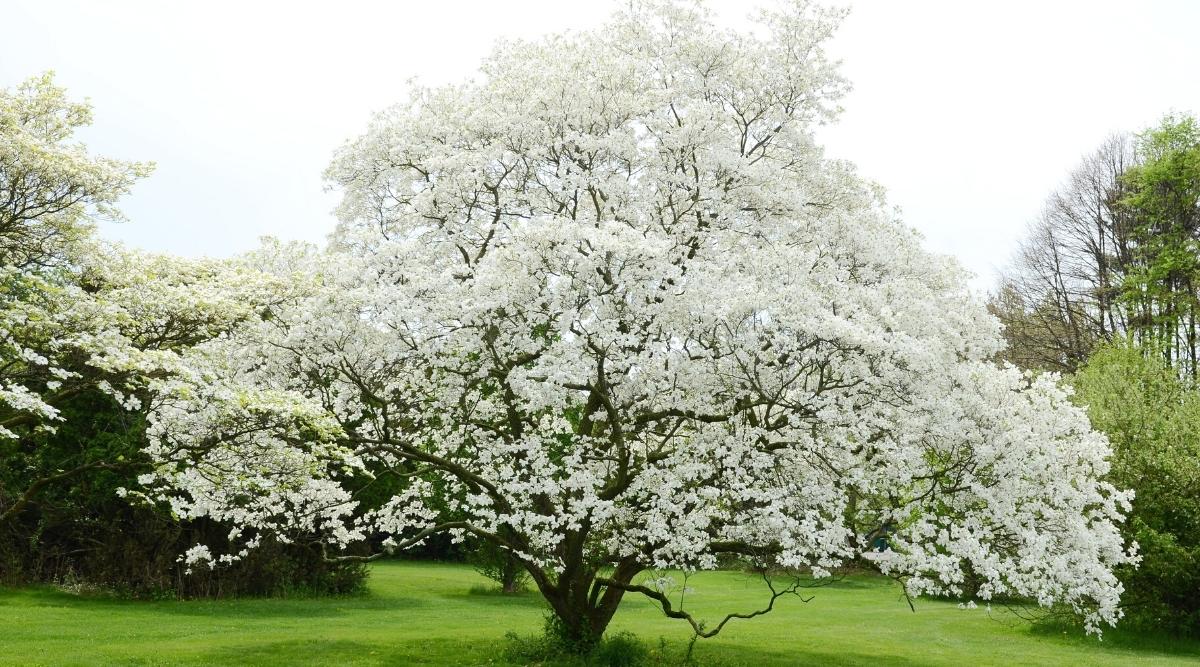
{"points": [[80, 532], [1152, 419], [622, 649]]}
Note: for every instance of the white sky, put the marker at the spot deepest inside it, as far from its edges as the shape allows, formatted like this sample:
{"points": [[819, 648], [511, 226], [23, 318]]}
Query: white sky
{"points": [[970, 113]]}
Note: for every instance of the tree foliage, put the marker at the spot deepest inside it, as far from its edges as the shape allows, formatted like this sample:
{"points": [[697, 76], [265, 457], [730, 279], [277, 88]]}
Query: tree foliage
{"points": [[50, 188], [1152, 419], [86, 330]]}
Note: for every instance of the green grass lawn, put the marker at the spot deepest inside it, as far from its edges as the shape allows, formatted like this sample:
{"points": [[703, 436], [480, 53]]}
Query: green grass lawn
{"points": [[420, 613]]}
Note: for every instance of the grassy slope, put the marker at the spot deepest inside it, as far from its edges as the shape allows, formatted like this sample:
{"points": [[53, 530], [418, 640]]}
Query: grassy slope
{"points": [[427, 614]]}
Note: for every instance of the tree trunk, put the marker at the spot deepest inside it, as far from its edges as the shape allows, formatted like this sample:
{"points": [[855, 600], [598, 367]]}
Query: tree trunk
{"points": [[510, 581], [583, 610]]}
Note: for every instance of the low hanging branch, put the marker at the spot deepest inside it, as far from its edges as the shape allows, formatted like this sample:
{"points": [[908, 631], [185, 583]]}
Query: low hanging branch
{"points": [[399, 546], [36, 487], [698, 626]]}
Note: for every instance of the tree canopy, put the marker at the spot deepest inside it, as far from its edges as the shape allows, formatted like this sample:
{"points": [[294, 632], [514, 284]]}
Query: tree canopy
{"points": [[612, 307], [86, 330]]}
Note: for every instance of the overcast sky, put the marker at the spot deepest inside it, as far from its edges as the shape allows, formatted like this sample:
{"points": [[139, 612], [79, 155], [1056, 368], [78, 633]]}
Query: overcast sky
{"points": [[970, 113]]}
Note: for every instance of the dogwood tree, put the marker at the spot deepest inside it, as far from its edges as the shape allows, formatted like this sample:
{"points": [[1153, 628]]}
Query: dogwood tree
{"points": [[78, 315], [51, 189], [109, 320], [610, 308]]}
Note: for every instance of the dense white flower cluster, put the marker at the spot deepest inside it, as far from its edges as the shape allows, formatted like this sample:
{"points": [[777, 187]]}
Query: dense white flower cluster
{"points": [[113, 320], [611, 308], [51, 189], [78, 315]]}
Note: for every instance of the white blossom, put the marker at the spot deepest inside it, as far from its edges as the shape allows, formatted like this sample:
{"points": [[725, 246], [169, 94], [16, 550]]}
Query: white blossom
{"points": [[616, 304]]}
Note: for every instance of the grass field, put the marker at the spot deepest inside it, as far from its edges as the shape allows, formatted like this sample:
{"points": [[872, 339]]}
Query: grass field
{"points": [[419, 613]]}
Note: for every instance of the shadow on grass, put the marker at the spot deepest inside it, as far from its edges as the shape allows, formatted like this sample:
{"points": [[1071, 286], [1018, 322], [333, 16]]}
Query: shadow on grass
{"points": [[809, 585], [307, 652], [753, 658], [493, 596], [445, 652], [300, 607], [1143, 641]]}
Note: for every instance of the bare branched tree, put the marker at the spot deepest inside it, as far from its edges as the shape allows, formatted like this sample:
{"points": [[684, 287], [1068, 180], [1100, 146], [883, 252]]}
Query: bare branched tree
{"points": [[1061, 294]]}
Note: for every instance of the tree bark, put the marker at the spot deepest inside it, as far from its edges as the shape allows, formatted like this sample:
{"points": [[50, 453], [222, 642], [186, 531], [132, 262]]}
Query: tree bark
{"points": [[583, 607]]}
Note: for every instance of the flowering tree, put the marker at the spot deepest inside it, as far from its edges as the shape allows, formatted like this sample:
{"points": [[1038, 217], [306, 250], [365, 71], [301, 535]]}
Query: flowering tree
{"points": [[50, 188], [77, 315], [611, 308], [114, 322]]}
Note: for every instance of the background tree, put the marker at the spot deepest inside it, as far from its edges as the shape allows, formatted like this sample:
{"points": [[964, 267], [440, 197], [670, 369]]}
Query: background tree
{"points": [[1064, 291], [615, 300], [1164, 202], [1152, 419], [499, 565], [1114, 253], [85, 329], [1106, 286], [51, 190]]}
